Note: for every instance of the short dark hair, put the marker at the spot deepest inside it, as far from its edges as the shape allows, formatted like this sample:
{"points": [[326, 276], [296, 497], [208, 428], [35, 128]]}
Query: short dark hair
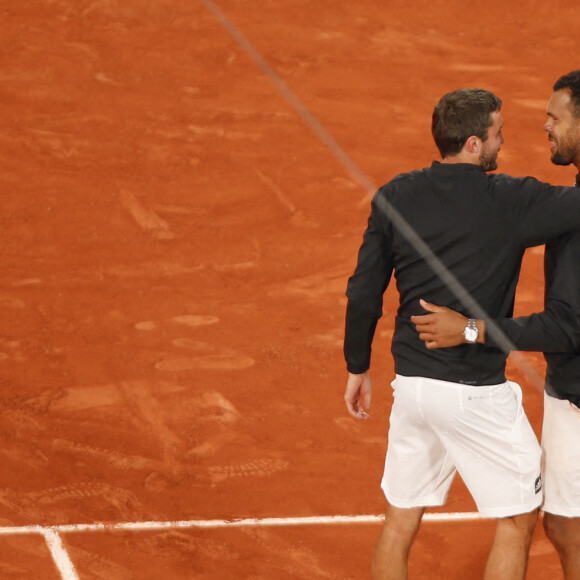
{"points": [[571, 81], [460, 114]]}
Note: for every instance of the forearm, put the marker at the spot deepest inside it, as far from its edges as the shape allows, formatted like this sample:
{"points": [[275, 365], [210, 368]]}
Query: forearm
{"points": [[554, 330], [360, 326], [365, 291]]}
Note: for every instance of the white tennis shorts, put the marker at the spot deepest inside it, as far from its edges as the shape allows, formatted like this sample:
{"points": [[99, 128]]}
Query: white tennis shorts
{"points": [[438, 428], [561, 457]]}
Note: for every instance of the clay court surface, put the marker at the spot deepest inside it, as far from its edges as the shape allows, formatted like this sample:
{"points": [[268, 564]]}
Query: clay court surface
{"points": [[177, 232]]}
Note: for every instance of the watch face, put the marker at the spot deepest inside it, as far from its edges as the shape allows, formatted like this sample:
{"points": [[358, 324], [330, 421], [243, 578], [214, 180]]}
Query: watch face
{"points": [[470, 334]]}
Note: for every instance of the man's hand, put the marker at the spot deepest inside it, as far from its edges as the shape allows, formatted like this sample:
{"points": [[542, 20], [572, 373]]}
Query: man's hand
{"points": [[358, 395], [443, 327]]}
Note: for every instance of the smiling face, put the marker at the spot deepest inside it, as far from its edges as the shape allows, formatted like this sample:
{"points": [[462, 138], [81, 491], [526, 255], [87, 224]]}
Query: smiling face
{"points": [[493, 143], [563, 129]]}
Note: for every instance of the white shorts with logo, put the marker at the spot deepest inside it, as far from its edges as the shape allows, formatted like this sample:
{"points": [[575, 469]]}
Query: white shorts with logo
{"points": [[438, 428], [561, 457]]}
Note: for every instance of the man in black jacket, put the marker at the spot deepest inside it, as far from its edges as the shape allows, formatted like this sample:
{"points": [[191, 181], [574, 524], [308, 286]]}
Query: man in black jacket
{"points": [[556, 331], [453, 408]]}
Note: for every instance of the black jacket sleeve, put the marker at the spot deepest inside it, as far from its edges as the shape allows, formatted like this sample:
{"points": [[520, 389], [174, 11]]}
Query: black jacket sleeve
{"points": [[543, 211], [557, 328], [365, 291]]}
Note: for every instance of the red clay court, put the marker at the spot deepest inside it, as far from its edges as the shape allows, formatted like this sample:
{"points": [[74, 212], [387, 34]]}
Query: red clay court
{"points": [[185, 186]]}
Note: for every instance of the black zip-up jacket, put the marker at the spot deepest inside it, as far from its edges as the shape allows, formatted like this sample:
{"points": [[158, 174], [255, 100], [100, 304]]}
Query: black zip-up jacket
{"points": [[556, 330], [478, 225]]}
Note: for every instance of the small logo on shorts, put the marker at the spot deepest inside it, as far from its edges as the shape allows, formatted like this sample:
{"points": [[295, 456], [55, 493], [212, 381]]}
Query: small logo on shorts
{"points": [[538, 484]]}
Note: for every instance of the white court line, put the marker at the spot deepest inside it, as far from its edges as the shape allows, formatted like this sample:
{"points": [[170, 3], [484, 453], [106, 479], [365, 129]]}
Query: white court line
{"points": [[300, 521], [59, 554], [67, 570]]}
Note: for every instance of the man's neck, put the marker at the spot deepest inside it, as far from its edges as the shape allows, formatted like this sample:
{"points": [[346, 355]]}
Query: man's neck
{"points": [[462, 157]]}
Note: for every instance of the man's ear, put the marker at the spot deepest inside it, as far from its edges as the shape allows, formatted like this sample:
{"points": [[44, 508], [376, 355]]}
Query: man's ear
{"points": [[473, 144]]}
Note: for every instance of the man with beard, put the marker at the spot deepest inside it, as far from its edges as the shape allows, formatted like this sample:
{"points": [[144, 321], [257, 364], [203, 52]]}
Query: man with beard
{"points": [[453, 409], [556, 331]]}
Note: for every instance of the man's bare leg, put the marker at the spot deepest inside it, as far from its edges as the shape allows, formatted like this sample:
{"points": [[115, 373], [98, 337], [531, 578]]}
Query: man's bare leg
{"points": [[508, 559], [394, 543], [564, 533]]}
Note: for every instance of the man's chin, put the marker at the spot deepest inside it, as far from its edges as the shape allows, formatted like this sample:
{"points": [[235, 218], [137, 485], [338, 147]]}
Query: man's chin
{"points": [[557, 159], [492, 166]]}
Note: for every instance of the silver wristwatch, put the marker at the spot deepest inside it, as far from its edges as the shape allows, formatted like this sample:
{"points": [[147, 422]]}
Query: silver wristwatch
{"points": [[471, 331]]}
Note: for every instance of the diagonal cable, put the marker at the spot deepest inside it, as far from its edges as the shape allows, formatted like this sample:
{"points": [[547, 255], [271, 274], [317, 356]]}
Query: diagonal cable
{"points": [[370, 188]]}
